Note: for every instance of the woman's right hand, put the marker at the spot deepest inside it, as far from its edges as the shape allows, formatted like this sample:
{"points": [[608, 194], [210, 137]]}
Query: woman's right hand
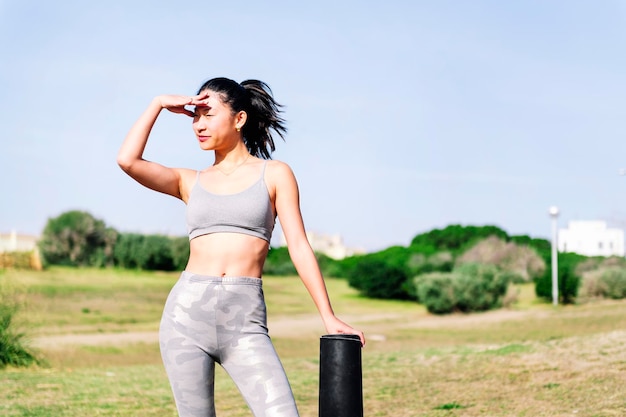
{"points": [[177, 103]]}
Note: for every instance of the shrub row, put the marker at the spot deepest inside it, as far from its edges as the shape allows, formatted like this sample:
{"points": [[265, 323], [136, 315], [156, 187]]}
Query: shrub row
{"points": [[76, 238], [151, 252], [442, 253]]}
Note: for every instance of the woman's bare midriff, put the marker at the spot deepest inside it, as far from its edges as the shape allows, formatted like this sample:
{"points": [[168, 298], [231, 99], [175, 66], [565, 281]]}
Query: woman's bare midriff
{"points": [[227, 254]]}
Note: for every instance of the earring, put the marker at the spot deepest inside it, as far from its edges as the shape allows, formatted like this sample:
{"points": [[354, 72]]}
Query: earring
{"points": [[238, 129]]}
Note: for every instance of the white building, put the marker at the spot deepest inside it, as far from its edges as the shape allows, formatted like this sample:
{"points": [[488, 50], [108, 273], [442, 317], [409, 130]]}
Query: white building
{"points": [[330, 245], [14, 242], [591, 238]]}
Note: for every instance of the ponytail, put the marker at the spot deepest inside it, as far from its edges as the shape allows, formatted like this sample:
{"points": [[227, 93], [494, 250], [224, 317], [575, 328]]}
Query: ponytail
{"points": [[255, 98]]}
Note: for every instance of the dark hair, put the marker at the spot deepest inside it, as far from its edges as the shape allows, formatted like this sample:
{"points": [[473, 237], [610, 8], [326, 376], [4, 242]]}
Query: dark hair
{"points": [[255, 98]]}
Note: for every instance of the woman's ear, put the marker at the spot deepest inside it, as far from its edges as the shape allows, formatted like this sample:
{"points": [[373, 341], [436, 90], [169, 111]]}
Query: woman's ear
{"points": [[240, 120]]}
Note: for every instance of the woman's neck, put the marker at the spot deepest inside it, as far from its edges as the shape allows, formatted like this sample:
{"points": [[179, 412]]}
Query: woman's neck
{"points": [[229, 162]]}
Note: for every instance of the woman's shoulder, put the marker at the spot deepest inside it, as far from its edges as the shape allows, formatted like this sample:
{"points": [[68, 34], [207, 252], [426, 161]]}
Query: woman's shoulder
{"points": [[279, 168], [278, 175]]}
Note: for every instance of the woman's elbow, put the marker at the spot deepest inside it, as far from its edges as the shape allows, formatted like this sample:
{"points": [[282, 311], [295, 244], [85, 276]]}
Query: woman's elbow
{"points": [[124, 162]]}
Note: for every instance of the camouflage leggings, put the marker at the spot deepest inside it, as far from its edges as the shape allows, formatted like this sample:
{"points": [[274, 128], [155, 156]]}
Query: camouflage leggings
{"points": [[214, 319]]}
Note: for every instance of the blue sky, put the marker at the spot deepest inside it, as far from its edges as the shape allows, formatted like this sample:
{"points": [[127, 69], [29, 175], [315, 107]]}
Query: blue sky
{"points": [[403, 116]]}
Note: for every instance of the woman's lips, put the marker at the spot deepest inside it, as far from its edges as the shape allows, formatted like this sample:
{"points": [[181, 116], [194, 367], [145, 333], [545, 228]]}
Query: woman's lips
{"points": [[203, 138]]}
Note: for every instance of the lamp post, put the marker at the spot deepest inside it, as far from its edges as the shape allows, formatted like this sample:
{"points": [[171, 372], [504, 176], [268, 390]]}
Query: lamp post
{"points": [[554, 214]]}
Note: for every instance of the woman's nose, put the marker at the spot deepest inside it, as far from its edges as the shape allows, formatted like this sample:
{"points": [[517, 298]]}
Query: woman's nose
{"points": [[198, 126]]}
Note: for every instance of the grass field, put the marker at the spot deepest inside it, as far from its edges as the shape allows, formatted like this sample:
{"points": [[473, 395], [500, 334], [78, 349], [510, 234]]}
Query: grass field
{"points": [[97, 331]]}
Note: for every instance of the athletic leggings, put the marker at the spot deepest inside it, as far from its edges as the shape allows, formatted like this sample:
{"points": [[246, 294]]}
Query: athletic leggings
{"points": [[221, 319]]}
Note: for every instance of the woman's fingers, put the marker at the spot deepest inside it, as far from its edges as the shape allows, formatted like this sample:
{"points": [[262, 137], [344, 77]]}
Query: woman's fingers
{"points": [[177, 103], [358, 333], [201, 99], [339, 327]]}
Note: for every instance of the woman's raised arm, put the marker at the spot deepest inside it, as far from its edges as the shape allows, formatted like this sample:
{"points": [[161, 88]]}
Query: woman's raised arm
{"points": [[130, 156]]}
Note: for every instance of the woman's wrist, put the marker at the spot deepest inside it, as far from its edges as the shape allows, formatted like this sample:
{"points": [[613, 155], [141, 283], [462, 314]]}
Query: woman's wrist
{"points": [[328, 316], [157, 102]]}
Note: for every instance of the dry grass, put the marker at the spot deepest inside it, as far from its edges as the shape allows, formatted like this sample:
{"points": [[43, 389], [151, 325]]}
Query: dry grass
{"points": [[531, 360]]}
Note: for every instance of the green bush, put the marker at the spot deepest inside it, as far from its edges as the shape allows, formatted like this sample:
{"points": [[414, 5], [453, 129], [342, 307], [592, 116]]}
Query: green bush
{"points": [[278, 262], [479, 287], [331, 268], [568, 278], [607, 282], [377, 279], [126, 248], [151, 252], [180, 252], [12, 350], [468, 288], [436, 291], [397, 257], [155, 253], [614, 280], [422, 263], [514, 277], [343, 267]]}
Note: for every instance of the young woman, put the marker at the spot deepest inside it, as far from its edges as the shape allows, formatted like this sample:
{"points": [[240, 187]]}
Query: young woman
{"points": [[216, 312]]}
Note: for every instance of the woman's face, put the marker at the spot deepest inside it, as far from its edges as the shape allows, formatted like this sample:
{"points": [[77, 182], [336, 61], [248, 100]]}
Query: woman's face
{"points": [[215, 125]]}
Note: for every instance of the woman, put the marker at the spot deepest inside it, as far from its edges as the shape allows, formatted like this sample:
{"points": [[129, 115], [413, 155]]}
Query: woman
{"points": [[216, 311]]}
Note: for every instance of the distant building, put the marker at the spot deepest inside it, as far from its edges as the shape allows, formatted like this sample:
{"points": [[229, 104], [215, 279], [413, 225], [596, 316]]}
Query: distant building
{"points": [[14, 242], [330, 245], [591, 238]]}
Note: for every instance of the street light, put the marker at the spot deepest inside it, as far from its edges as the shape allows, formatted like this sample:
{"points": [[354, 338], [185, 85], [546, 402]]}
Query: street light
{"points": [[554, 214]]}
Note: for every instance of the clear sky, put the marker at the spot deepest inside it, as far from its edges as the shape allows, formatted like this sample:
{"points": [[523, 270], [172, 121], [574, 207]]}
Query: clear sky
{"points": [[403, 116]]}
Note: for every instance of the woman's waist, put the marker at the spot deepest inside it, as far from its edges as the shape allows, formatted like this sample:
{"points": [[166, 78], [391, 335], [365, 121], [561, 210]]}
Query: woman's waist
{"points": [[227, 255], [223, 263], [229, 244], [223, 280]]}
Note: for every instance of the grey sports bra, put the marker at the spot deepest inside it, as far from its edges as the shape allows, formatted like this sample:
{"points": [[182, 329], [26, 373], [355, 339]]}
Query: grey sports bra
{"points": [[248, 212]]}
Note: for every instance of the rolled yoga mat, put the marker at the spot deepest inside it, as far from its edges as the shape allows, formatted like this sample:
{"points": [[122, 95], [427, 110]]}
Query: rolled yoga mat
{"points": [[341, 378]]}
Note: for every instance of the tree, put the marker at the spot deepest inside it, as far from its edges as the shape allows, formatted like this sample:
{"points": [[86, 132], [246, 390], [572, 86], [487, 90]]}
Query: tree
{"points": [[456, 237], [77, 238]]}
